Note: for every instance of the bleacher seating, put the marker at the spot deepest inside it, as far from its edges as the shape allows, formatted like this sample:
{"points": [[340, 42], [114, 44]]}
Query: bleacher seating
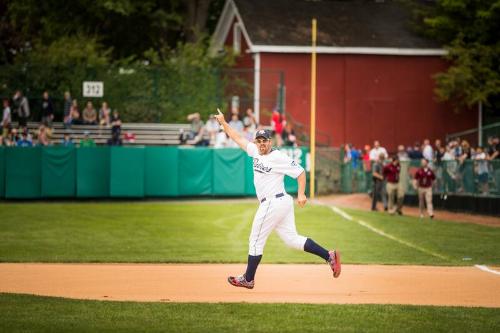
{"points": [[149, 134]]}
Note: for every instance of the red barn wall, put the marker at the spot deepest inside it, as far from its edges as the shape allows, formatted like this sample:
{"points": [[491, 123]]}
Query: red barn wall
{"points": [[361, 98]]}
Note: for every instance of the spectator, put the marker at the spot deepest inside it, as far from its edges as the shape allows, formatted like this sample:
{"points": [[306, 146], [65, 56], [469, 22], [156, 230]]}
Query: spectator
{"points": [[424, 178], [482, 169], [116, 123], [378, 180], [22, 108], [428, 152], [237, 125], [391, 174], [13, 137], [24, 141], [47, 109], [347, 153], [415, 152], [288, 136], [67, 110], [367, 166], [129, 137], [104, 115], [6, 118], [376, 151], [115, 139], [67, 141], [248, 133], [87, 141], [402, 154], [404, 164], [89, 114], [212, 128], [355, 157], [75, 113], [278, 122], [221, 139], [43, 136], [196, 130], [249, 120], [493, 148]]}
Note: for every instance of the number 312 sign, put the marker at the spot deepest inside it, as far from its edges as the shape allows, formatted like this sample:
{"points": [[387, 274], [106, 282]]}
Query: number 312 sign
{"points": [[93, 89]]}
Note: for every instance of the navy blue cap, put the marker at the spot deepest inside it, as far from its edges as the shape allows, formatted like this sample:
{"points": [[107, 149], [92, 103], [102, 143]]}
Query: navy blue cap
{"points": [[266, 134]]}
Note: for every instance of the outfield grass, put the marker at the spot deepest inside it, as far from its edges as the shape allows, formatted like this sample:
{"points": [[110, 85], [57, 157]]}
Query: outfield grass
{"points": [[218, 232], [22, 313]]}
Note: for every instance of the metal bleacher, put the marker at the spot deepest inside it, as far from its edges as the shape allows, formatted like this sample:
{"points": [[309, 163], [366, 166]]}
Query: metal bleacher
{"points": [[146, 134]]}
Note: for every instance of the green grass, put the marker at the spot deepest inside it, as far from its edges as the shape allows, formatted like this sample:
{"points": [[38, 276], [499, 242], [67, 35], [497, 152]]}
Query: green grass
{"points": [[22, 313], [218, 232]]}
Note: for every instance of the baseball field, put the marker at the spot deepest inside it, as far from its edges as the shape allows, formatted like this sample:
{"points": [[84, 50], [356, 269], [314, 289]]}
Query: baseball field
{"points": [[162, 266]]}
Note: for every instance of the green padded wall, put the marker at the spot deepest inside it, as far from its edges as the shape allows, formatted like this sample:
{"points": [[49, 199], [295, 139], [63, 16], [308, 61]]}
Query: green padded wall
{"points": [[23, 172], [195, 171], [229, 171], [2, 172], [127, 172], [161, 169], [92, 172], [58, 172]]}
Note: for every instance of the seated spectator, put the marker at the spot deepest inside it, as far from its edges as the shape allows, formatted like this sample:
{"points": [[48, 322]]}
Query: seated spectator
{"points": [[116, 123], [115, 139], [89, 114], [13, 137], [47, 109], [212, 128], [75, 117], [376, 151], [24, 141], [249, 120], [87, 141], [67, 110], [6, 118], [221, 139], [196, 130], [288, 136], [104, 115], [67, 141], [248, 133], [43, 137]]}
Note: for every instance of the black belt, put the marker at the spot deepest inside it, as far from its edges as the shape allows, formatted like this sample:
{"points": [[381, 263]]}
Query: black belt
{"points": [[279, 195]]}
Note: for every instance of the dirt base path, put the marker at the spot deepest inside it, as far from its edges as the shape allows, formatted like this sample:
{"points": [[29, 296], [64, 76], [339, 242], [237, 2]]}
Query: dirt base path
{"points": [[363, 201], [466, 286]]}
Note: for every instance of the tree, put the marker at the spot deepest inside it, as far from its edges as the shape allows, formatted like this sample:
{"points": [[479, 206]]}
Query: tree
{"points": [[469, 29]]}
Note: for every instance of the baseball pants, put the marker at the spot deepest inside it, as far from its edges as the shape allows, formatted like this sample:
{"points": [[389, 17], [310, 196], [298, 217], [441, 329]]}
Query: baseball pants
{"points": [[395, 196], [275, 214], [425, 193]]}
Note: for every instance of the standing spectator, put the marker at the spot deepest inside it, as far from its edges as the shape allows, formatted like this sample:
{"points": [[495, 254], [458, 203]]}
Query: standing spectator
{"points": [[67, 141], [355, 157], [428, 152], [347, 153], [493, 148], [67, 110], [424, 178], [416, 153], [6, 118], [249, 120], [22, 108], [278, 122], [482, 169], [391, 174], [76, 119], [404, 166], [89, 114], [288, 136], [212, 128], [367, 167], [378, 180], [376, 151], [87, 141], [104, 115], [47, 109]]}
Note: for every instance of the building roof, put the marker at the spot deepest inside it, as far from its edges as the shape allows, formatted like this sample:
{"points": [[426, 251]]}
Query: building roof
{"points": [[285, 26]]}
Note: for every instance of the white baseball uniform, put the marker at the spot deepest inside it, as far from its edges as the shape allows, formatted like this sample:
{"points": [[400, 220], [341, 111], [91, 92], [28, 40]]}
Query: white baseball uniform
{"points": [[276, 211]]}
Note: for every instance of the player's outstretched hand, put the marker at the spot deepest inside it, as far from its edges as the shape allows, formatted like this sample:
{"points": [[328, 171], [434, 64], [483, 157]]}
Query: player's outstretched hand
{"points": [[301, 199], [220, 117]]}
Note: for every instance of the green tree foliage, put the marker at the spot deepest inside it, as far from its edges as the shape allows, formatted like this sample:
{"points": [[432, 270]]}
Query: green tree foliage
{"points": [[470, 30]]}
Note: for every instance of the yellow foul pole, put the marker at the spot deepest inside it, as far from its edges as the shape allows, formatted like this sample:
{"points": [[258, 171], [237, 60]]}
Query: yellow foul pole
{"points": [[313, 111]]}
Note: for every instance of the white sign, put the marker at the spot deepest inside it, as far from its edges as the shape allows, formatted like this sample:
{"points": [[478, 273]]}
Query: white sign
{"points": [[93, 89]]}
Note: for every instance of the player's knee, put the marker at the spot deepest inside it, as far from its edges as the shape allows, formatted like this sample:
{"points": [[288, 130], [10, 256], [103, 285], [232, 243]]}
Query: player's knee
{"points": [[295, 242]]}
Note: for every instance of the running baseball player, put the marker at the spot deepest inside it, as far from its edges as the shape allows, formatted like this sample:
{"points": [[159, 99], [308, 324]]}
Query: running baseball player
{"points": [[275, 211]]}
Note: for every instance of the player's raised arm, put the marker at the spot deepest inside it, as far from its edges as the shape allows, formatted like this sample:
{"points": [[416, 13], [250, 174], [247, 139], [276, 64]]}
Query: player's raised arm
{"points": [[242, 142]]}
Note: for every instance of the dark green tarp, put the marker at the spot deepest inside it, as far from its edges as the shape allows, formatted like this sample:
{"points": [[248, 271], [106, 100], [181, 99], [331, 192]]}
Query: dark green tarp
{"points": [[23, 172], [195, 171], [2, 172], [229, 171], [92, 172], [58, 172], [161, 168], [127, 172]]}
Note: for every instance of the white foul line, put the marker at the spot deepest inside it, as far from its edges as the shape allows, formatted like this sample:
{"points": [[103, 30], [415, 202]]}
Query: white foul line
{"points": [[486, 269], [382, 233]]}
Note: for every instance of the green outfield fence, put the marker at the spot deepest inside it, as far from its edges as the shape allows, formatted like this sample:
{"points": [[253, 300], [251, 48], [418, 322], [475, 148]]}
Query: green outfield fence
{"points": [[452, 177], [129, 172]]}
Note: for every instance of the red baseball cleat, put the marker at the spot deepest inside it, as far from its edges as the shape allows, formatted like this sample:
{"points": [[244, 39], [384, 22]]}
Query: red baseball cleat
{"points": [[334, 263], [240, 281]]}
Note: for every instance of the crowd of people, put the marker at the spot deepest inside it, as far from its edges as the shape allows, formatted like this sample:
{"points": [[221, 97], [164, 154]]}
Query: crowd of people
{"points": [[211, 134], [425, 167], [19, 108]]}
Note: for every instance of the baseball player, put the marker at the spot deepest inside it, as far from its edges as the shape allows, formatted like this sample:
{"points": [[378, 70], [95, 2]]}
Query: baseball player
{"points": [[276, 206]]}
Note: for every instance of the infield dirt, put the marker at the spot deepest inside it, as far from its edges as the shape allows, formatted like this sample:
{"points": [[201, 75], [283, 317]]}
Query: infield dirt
{"points": [[358, 284]]}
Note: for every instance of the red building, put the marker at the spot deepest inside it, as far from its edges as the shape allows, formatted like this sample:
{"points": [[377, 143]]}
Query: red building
{"points": [[374, 74]]}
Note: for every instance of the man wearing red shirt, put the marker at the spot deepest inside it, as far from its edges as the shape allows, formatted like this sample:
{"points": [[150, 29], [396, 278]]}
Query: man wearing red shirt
{"points": [[423, 184], [391, 174]]}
